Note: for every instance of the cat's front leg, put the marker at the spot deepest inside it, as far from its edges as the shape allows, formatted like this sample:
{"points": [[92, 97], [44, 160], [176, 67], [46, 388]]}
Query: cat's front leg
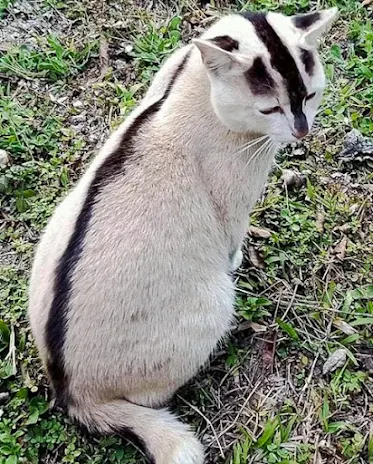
{"points": [[237, 259]]}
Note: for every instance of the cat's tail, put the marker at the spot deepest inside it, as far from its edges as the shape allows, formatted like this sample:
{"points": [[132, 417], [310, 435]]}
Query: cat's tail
{"points": [[165, 439]]}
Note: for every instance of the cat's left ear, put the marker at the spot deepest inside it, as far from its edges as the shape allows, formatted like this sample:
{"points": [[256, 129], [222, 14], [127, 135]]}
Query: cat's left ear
{"points": [[313, 25], [218, 54]]}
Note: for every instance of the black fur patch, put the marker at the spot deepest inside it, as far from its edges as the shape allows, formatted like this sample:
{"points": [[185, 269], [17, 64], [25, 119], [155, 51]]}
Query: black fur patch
{"points": [[58, 314], [308, 60], [226, 43], [124, 432], [128, 434], [306, 20], [281, 60], [259, 79]]}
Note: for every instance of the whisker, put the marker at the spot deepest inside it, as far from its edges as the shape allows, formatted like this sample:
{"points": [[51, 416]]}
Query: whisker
{"points": [[266, 148], [250, 144], [263, 147]]}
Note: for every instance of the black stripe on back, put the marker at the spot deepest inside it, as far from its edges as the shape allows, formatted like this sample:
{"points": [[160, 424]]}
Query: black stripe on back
{"points": [[58, 315], [283, 62]]}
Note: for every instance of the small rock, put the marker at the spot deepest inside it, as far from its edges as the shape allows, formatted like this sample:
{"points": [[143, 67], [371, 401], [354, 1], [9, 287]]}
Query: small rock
{"points": [[120, 65], [335, 360], [357, 148], [300, 151], [3, 397], [292, 178], [77, 104], [4, 159]]}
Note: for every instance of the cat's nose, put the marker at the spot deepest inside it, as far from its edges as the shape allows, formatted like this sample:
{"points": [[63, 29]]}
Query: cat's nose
{"points": [[300, 133], [300, 126]]}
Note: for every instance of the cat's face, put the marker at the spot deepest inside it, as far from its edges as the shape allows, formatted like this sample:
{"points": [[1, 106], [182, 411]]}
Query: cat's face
{"points": [[265, 73]]}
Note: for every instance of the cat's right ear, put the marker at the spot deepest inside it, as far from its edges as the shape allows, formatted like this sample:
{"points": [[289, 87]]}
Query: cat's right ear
{"points": [[217, 54]]}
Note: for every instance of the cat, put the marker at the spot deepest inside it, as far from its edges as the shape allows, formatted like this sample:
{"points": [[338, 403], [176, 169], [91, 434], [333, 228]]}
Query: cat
{"points": [[131, 286]]}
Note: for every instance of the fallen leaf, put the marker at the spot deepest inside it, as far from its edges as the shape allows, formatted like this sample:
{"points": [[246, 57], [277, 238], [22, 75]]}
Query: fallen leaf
{"points": [[258, 327], [258, 232], [367, 2], [343, 326], [340, 249], [269, 349], [255, 258], [343, 228], [335, 360]]}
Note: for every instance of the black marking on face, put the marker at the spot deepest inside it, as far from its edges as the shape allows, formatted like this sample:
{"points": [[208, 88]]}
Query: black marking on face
{"points": [[300, 124], [306, 20], [259, 79], [226, 43], [282, 61], [308, 60], [113, 166]]}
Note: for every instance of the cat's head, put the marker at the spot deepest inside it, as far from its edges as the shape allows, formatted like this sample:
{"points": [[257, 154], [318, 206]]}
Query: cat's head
{"points": [[265, 72]]}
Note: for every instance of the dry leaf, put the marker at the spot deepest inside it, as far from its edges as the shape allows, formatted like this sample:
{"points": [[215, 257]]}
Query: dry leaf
{"points": [[344, 228], [340, 249], [335, 360], [269, 349], [259, 233], [255, 258], [258, 327], [367, 2], [320, 219], [343, 326]]}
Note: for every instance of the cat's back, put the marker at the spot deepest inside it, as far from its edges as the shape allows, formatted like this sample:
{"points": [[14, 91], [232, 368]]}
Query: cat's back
{"points": [[139, 230]]}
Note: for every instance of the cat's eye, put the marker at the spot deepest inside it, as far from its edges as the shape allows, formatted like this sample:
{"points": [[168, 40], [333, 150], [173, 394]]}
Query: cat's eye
{"points": [[310, 96], [275, 109]]}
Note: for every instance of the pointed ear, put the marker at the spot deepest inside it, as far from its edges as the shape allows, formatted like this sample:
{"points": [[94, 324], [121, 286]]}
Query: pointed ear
{"points": [[217, 53], [313, 25]]}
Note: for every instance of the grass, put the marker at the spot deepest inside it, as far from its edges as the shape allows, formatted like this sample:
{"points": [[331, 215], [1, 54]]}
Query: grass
{"points": [[52, 61], [305, 289]]}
